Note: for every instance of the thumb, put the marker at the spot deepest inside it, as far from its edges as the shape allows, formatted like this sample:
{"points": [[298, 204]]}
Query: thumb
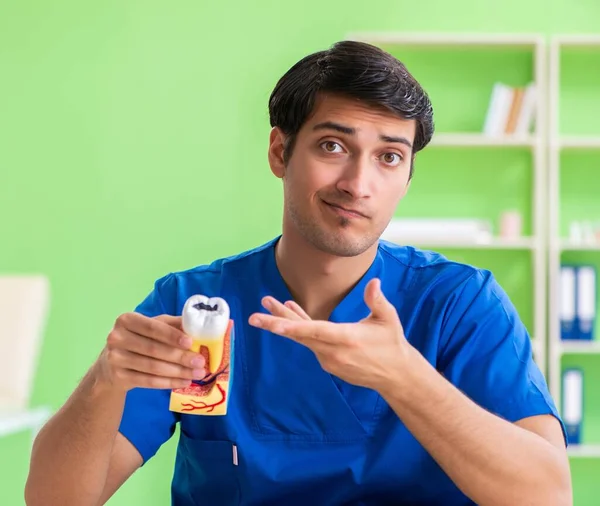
{"points": [[381, 308]]}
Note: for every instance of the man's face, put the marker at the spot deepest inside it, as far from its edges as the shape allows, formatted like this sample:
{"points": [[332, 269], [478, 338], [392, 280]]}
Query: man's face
{"points": [[348, 170]]}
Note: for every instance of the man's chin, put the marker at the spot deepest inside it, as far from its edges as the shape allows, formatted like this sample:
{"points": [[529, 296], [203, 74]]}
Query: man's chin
{"points": [[343, 245]]}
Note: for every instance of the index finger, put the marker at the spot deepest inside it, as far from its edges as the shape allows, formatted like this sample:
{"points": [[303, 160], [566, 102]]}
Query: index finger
{"points": [[276, 308], [173, 321], [299, 330], [160, 329]]}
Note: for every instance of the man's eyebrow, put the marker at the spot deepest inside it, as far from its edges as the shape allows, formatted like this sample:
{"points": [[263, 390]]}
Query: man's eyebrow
{"points": [[401, 140], [331, 125]]}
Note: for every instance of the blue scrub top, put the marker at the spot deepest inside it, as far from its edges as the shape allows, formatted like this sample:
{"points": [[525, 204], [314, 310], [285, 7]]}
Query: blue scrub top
{"points": [[303, 436]]}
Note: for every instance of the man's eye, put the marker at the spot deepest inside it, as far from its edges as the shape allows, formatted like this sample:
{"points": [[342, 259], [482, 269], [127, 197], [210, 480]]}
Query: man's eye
{"points": [[391, 158], [331, 147]]}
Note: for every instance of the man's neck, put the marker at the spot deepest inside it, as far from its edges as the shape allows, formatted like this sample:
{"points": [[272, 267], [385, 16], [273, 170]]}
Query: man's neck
{"points": [[318, 281]]}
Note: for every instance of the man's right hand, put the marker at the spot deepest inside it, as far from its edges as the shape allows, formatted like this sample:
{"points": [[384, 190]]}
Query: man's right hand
{"points": [[149, 352]]}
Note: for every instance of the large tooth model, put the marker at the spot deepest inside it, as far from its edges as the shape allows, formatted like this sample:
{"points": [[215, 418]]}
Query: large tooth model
{"points": [[207, 321]]}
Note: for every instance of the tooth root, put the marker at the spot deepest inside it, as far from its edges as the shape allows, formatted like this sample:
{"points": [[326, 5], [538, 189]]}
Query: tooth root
{"points": [[215, 351]]}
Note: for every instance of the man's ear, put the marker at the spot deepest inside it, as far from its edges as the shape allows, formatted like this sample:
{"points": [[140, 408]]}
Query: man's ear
{"points": [[276, 149]]}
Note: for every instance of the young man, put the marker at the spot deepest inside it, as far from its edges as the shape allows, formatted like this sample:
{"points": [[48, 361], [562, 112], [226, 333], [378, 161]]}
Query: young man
{"points": [[365, 373]]}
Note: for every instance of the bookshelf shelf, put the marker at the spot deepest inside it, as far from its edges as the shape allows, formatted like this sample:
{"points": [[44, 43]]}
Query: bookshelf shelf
{"points": [[584, 451], [577, 347], [449, 39], [579, 142], [568, 245], [583, 40], [524, 243], [482, 140]]}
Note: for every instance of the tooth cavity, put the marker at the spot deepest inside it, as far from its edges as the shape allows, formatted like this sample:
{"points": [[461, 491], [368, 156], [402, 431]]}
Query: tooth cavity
{"points": [[205, 320], [208, 307]]}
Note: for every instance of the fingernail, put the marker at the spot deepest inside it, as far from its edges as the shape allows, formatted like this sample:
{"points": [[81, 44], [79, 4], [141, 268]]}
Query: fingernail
{"points": [[255, 320], [185, 342], [267, 303], [198, 362], [198, 373]]}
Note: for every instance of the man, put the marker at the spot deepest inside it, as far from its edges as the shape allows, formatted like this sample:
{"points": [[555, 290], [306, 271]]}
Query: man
{"points": [[365, 373]]}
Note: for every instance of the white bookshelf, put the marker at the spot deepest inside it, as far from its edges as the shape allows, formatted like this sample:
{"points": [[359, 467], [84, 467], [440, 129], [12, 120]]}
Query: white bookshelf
{"points": [[534, 142], [558, 144]]}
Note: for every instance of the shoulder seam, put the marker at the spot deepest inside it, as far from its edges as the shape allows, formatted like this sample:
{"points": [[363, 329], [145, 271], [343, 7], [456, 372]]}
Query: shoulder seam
{"points": [[420, 267], [159, 291], [474, 274], [232, 259]]}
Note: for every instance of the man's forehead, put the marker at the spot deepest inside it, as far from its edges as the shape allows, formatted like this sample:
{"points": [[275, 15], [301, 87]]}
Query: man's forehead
{"points": [[353, 116], [336, 108]]}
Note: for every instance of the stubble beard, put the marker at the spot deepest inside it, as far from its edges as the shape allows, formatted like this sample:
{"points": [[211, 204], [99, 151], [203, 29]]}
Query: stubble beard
{"points": [[332, 242]]}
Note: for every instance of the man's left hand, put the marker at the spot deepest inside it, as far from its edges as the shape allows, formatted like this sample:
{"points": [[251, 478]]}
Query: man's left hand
{"points": [[366, 353]]}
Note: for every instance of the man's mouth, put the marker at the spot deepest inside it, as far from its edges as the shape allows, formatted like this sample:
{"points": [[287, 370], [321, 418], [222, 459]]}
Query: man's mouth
{"points": [[345, 210]]}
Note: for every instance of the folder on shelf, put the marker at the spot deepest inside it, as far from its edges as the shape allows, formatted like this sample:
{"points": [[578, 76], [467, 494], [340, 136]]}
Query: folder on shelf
{"points": [[572, 403], [586, 302], [567, 308]]}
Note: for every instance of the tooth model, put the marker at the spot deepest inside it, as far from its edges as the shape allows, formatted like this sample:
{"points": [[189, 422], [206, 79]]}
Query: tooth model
{"points": [[207, 321]]}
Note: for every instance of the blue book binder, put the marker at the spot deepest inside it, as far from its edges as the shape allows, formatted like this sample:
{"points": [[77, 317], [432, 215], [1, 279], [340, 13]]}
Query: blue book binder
{"points": [[567, 302], [572, 403], [586, 302]]}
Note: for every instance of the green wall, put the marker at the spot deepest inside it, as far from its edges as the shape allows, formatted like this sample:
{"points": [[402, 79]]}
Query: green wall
{"points": [[124, 123]]}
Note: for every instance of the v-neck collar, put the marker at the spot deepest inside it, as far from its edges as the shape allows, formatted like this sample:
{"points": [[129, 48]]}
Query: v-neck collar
{"points": [[350, 309]]}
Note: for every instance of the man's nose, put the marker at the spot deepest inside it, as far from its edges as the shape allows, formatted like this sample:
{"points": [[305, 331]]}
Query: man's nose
{"points": [[355, 181]]}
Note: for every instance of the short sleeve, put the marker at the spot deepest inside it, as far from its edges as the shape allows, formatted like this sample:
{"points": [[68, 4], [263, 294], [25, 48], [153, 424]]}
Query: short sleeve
{"points": [[486, 352], [147, 422]]}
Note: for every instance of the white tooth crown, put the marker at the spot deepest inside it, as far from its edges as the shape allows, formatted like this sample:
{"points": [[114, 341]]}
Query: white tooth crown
{"points": [[205, 318]]}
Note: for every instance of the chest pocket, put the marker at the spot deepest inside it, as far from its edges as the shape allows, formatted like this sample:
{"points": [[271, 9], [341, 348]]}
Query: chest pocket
{"points": [[205, 473]]}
